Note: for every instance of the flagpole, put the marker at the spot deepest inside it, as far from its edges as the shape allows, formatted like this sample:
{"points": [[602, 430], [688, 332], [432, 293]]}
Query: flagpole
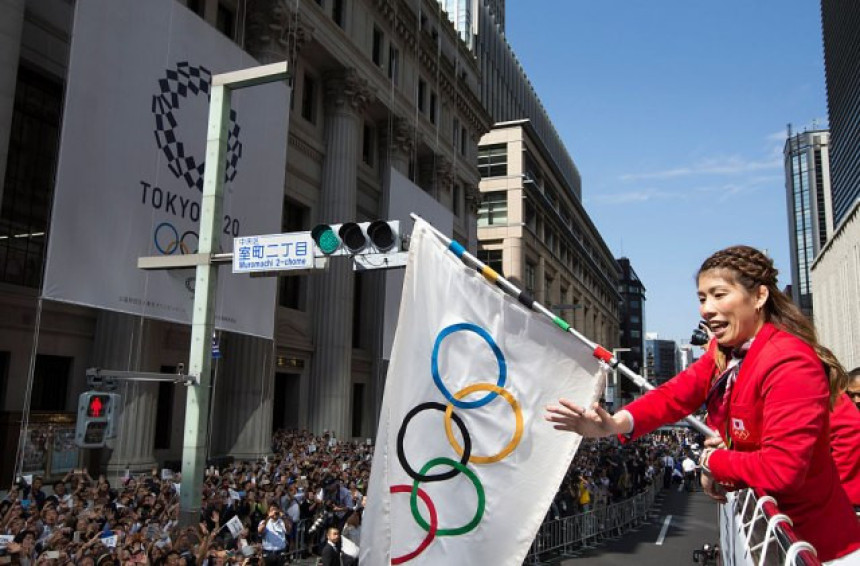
{"points": [[527, 300]]}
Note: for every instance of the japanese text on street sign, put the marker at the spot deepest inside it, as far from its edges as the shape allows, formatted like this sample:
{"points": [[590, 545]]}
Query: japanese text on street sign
{"points": [[273, 252]]}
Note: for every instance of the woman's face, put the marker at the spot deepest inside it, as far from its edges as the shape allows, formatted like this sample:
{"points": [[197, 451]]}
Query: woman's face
{"points": [[732, 313]]}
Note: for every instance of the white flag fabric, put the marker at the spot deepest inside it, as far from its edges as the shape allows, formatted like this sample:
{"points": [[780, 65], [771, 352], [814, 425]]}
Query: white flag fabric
{"points": [[235, 526], [465, 467]]}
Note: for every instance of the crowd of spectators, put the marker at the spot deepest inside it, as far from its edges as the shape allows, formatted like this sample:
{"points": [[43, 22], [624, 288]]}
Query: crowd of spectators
{"points": [[311, 485]]}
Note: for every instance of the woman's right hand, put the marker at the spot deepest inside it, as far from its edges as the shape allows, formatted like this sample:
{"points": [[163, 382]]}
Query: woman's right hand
{"points": [[590, 423]]}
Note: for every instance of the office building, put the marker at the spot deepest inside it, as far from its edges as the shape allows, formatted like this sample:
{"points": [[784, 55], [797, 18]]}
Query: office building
{"points": [[662, 359], [810, 211], [835, 272]]}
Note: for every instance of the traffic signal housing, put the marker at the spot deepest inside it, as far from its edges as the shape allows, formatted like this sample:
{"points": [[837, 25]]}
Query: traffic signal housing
{"points": [[97, 412], [357, 238]]}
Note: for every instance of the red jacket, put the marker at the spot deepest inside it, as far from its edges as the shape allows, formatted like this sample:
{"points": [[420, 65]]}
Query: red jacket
{"points": [[778, 425], [845, 445]]}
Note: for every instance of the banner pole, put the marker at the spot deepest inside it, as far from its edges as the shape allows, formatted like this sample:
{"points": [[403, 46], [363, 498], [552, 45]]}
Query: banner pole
{"points": [[527, 300]]}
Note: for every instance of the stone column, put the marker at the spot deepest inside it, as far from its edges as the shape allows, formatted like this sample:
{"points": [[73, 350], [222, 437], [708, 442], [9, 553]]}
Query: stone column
{"points": [[121, 342], [346, 97], [11, 26], [244, 385], [275, 32]]}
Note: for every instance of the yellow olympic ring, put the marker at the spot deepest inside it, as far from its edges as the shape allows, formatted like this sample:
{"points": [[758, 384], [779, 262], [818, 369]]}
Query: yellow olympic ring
{"points": [[518, 429]]}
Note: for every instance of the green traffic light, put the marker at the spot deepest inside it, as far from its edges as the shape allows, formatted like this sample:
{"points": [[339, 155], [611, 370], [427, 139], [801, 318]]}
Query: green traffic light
{"points": [[326, 239]]}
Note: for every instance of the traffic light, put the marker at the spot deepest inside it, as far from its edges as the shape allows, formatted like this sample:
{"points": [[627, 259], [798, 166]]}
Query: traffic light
{"points": [[357, 238], [96, 418]]}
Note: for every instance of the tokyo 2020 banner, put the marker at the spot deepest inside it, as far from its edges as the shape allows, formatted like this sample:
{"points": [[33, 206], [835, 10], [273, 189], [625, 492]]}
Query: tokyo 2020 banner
{"points": [[132, 157], [465, 467]]}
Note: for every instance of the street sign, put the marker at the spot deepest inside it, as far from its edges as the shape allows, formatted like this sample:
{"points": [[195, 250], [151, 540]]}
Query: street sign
{"points": [[273, 252]]}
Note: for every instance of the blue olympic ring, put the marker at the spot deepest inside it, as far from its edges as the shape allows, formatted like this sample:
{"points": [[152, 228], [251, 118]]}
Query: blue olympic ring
{"points": [[500, 358], [174, 243]]}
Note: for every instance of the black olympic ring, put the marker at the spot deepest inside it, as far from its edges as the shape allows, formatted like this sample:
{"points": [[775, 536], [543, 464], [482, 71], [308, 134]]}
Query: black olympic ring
{"points": [[467, 444]]}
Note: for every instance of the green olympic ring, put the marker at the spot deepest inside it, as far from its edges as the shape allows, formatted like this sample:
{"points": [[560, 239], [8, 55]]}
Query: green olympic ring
{"points": [[479, 513]]}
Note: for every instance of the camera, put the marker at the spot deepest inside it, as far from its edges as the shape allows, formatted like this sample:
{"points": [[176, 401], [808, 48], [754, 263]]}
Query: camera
{"points": [[707, 554], [321, 520], [700, 336]]}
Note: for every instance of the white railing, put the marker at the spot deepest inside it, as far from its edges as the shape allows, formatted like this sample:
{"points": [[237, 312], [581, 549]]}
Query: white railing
{"points": [[754, 533]]}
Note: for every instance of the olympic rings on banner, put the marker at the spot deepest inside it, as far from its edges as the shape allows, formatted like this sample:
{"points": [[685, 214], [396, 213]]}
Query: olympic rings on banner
{"points": [[518, 427], [500, 359], [434, 522], [479, 489], [177, 242], [464, 452]]}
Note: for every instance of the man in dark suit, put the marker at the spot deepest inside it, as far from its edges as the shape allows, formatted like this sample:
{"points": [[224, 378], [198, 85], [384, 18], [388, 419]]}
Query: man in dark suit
{"points": [[330, 554]]}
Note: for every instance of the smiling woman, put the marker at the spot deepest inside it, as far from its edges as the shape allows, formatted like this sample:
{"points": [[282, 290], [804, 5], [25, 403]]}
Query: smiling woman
{"points": [[768, 386]]}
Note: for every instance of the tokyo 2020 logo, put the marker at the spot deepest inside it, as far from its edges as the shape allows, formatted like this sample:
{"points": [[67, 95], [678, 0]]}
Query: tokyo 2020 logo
{"points": [[176, 86]]}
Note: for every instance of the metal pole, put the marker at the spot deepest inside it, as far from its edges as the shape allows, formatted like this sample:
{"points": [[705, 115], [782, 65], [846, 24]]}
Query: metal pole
{"points": [[203, 318], [599, 351]]}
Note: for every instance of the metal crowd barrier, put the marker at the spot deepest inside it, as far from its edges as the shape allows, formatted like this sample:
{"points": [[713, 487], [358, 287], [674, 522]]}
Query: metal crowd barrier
{"points": [[753, 532], [567, 536]]}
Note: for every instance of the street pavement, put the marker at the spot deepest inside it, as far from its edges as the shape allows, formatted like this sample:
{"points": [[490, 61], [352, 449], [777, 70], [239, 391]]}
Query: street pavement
{"points": [[660, 542]]}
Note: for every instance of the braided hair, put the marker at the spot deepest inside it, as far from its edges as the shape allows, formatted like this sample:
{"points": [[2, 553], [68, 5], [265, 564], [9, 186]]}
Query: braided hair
{"points": [[750, 268]]}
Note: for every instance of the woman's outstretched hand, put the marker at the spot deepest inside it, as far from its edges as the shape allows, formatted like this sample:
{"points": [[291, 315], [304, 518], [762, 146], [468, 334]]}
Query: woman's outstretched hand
{"points": [[590, 423]]}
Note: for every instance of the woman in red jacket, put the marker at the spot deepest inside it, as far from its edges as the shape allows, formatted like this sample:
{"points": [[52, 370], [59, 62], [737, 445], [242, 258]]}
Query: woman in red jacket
{"points": [[768, 386]]}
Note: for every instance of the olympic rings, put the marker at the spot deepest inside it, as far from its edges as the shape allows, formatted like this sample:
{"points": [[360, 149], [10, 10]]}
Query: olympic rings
{"points": [[464, 452], [518, 428], [434, 522], [500, 359], [479, 489], [177, 242]]}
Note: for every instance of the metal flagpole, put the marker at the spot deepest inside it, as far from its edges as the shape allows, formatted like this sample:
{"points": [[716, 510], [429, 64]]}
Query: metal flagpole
{"points": [[527, 300]]}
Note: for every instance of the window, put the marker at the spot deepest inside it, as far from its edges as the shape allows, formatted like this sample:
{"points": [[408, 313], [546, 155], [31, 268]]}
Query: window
{"points": [[29, 183], [493, 160], [50, 383], [529, 216], [493, 259], [225, 20], [531, 269], [422, 93], [337, 13], [455, 133], [393, 63], [293, 288], [456, 197], [378, 40], [463, 140], [494, 209], [368, 140], [308, 99], [432, 107]]}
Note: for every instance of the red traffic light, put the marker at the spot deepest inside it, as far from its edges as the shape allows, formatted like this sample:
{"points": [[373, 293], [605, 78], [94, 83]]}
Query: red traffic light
{"points": [[97, 406]]}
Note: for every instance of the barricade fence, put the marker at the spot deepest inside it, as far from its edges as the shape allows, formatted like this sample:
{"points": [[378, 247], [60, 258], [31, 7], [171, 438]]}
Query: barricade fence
{"points": [[566, 536], [754, 533]]}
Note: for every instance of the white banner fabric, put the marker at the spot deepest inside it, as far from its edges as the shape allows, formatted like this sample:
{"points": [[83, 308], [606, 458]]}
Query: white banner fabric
{"points": [[486, 470], [132, 153]]}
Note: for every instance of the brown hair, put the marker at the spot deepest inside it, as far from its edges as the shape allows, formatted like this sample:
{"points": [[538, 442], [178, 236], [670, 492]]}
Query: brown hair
{"points": [[750, 268]]}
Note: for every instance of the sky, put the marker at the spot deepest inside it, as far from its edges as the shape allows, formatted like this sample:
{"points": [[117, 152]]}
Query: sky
{"points": [[675, 113]]}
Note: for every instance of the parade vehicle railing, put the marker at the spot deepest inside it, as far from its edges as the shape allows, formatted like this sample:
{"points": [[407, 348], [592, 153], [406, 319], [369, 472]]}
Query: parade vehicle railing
{"points": [[566, 536], [753, 532]]}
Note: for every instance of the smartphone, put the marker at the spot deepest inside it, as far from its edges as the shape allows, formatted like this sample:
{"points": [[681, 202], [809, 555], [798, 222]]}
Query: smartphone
{"points": [[52, 554], [76, 537]]}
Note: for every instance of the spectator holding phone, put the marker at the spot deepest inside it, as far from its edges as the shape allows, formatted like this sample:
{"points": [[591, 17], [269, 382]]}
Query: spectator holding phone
{"points": [[273, 531]]}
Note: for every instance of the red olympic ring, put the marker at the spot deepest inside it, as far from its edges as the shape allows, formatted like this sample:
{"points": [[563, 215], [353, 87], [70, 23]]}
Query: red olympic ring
{"points": [[434, 522]]}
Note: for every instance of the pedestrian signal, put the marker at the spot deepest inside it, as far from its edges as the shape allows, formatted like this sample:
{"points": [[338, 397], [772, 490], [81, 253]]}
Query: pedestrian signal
{"points": [[357, 238], [96, 418]]}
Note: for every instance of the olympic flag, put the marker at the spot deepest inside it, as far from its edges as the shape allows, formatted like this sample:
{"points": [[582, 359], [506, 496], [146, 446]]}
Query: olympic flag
{"points": [[465, 467], [132, 156]]}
